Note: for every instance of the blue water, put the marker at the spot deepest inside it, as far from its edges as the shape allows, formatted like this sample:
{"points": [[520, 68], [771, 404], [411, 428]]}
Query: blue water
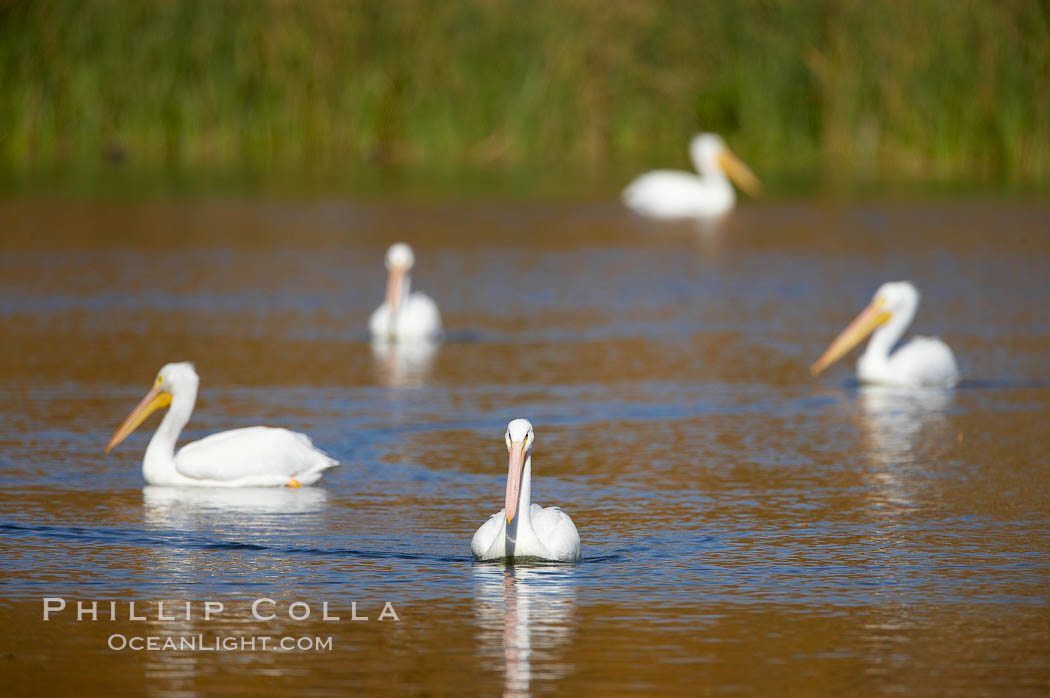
{"points": [[715, 484]]}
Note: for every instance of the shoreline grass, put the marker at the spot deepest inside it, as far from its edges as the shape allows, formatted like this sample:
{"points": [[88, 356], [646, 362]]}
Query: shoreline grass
{"points": [[830, 92]]}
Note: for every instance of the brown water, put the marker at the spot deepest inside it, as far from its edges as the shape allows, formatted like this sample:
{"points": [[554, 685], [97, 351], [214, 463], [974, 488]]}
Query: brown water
{"points": [[747, 529]]}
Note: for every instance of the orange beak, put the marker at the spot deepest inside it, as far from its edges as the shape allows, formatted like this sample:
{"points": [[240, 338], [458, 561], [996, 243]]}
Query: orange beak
{"points": [[863, 325], [514, 471], [154, 400], [740, 173], [394, 281]]}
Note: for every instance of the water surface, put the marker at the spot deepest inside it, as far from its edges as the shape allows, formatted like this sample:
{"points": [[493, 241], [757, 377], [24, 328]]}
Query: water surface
{"points": [[747, 529]]}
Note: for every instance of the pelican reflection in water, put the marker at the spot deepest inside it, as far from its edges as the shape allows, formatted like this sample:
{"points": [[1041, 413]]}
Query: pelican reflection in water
{"points": [[231, 508], [525, 617], [202, 521], [402, 364], [902, 429]]}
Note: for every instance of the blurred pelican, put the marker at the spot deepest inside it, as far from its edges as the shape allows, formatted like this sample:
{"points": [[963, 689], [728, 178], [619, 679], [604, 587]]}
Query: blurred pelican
{"points": [[404, 315], [523, 529], [921, 362], [249, 457], [897, 422], [675, 194]]}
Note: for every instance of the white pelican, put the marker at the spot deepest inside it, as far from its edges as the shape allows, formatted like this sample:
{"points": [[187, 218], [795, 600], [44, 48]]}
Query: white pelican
{"points": [[675, 194], [523, 529], [404, 315], [922, 362], [249, 457]]}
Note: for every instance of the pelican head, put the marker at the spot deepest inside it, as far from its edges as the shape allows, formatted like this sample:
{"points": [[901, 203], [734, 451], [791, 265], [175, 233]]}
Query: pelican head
{"points": [[711, 155], [894, 303], [519, 439], [174, 379], [399, 261], [400, 256]]}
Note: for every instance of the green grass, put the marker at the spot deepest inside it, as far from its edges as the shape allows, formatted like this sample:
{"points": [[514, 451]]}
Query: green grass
{"points": [[928, 90]]}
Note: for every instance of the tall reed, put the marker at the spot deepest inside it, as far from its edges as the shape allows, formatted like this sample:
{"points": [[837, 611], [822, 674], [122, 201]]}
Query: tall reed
{"points": [[928, 89]]}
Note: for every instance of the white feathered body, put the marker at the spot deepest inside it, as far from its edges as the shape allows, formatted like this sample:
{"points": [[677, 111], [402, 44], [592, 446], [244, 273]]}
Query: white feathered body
{"points": [[417, 318], [551, 536], [248, 457], [676, 194], [921, 362]]}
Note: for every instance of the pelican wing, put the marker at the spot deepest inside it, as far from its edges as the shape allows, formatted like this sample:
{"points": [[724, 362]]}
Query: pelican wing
{"points": [[418, 318], [379, 322], [491, 531], [926, 361], [671, 194], [557, 531], [421, 315], [260, 456]]}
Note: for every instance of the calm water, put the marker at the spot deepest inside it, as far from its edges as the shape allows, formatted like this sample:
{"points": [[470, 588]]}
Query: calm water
{"points": [[746, 529]]}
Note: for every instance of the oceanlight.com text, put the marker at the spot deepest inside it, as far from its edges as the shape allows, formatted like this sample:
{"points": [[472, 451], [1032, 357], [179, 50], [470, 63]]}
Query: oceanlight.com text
{"points": [[221, 643]]}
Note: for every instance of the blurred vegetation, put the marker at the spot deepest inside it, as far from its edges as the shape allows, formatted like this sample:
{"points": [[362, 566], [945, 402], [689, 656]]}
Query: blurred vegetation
{"points": [[942, 90]]}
